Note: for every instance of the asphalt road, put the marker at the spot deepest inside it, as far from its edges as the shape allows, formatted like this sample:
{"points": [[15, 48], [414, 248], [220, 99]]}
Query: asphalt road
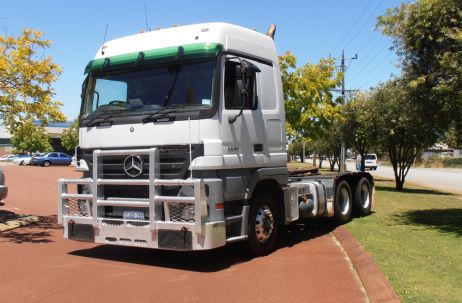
{"points": [[443, 179], [37, 265]]}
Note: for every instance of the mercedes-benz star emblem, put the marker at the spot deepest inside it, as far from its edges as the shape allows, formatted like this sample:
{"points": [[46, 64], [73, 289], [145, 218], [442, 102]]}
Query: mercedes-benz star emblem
{"points": [[133, 166]]}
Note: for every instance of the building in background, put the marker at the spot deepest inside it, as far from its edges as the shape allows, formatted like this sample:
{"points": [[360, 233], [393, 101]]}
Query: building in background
{"points": [[54, 131]]}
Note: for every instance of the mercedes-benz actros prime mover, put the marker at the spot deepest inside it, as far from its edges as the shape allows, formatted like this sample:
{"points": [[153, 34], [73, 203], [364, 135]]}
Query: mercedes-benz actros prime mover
{"points": [[182, 146]]}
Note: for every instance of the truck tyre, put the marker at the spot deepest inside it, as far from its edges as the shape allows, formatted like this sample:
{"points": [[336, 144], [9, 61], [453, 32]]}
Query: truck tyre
{"points": [[46, 163], [363, 197], [343, 203], [263, 224]]}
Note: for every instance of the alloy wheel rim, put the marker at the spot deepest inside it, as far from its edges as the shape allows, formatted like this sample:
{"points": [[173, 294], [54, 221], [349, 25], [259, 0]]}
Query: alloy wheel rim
{"points": [[344, 201], [365, 198], [264, 224]]}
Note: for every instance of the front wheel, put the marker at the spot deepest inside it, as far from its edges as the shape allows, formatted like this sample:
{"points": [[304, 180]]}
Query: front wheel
{"points": [[343, 203], [263, 224]]}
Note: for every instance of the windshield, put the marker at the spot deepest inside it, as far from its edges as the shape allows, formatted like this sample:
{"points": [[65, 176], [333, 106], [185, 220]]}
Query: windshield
{"points": [[370, 157], [186, 85]]}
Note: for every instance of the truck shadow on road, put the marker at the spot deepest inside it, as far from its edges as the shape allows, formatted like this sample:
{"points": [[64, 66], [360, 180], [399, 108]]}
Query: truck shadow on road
{"points": [[40, 232], [202, 261]]}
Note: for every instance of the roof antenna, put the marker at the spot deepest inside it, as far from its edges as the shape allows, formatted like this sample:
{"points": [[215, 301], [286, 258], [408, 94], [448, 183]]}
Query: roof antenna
{"points": [[104, 41], [146, 18]]}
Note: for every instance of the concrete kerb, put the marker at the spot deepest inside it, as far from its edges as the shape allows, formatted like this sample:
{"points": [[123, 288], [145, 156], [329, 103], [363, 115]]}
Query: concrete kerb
{"points": [[377, 286], [22, 220]]}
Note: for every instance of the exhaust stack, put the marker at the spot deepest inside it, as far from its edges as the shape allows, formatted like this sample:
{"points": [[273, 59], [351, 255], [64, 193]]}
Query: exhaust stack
{"points": [[271, 31]]}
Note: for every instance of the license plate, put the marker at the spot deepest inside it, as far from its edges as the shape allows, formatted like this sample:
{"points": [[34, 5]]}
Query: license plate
{"points": [[133, 215]]}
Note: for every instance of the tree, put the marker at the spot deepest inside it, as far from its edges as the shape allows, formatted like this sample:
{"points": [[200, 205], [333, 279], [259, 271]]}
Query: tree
{"points": [[307, 90], [359, 127], [328, 145], [26, 78], [403, 126], [30, 137], [427, 34], [453, 137], [70, 136]]}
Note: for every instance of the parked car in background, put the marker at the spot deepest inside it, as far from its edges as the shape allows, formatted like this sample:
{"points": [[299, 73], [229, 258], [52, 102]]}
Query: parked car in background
{"points": [[3, 187], [6, 157], [370, 161], [53, 158], [21, 159]]}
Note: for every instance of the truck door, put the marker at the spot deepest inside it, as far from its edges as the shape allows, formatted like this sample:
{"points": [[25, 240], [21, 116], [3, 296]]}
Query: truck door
{"points": [[242, 134]]}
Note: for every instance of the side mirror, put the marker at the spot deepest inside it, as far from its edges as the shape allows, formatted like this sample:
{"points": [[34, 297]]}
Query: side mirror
{"points": [[244, 74]]}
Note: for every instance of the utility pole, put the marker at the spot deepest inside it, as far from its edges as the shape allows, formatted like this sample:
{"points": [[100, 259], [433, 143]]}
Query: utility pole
{"points": [[342, 91]]}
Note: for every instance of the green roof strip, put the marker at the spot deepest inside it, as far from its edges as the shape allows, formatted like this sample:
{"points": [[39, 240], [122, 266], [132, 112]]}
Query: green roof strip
{"points": [[190, 50]]}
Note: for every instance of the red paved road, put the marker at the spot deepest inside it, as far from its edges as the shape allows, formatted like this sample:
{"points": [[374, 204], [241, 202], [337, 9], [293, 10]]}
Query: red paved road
{"points": [[37, 265]]}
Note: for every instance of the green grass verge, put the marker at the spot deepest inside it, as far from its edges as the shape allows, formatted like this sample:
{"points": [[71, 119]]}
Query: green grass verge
{"points": [[415, 237], [299, 165]]}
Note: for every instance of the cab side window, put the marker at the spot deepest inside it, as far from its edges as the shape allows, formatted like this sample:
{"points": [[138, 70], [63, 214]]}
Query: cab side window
{"points": [[232, 92]]}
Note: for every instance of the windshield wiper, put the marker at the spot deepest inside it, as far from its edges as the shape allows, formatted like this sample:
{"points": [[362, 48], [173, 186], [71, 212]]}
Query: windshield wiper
{"points": [[163, 114], [160, 115], [106, 121]]}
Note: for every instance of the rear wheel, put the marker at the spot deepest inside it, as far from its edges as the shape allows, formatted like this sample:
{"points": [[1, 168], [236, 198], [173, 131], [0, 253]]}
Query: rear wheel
{"points": [[343, 203], [46, 163], [263, 224], [363, 197]]}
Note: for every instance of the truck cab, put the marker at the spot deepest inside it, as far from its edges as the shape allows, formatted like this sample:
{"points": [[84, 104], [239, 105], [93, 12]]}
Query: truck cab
{"points": [[182, 144]]}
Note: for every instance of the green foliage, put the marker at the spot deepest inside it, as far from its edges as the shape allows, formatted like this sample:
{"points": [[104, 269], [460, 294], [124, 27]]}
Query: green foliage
{"points": [[309, 104], [329, 144], [360, 129], [427, 34], [29, 138], [70, 136], [453, 137], [403, 126], [27, 75]]}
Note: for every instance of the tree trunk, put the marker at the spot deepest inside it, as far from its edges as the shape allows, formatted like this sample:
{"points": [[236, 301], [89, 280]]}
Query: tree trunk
{"points": [[363, 162], [399, 184]]}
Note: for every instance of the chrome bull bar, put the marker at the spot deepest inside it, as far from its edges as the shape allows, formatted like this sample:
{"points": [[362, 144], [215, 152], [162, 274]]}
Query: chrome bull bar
{"points": [[83, 207]]}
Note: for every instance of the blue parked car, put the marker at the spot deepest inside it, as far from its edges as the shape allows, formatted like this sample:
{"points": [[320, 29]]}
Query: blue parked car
{"points": [[52, 159]]}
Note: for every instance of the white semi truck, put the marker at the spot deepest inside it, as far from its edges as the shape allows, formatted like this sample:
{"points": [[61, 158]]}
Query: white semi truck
{"points": [[183, 146]]}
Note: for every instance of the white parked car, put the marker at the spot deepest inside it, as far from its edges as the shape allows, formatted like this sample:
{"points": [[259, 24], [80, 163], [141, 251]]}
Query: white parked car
{"points": [[370, 161], [22, 159], [7, 158]]}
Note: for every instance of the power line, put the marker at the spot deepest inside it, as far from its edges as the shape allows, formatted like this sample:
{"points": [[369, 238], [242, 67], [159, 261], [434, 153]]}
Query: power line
{"points": [[366, 65], [370, 73], [369, 52], [354, 24], [364, 25], [372, 38]]}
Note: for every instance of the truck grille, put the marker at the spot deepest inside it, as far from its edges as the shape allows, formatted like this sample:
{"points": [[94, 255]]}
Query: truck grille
{"points": [[174, 162]]}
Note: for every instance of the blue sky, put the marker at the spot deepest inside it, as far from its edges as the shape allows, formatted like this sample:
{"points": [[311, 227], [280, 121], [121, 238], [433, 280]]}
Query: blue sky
{"points": [[310, 29]]}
